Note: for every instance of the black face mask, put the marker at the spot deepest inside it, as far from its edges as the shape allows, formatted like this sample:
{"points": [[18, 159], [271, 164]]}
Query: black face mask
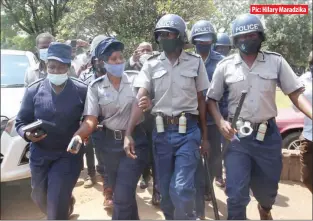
{"points": [[203, 49], [249, 46], [171, 45]]}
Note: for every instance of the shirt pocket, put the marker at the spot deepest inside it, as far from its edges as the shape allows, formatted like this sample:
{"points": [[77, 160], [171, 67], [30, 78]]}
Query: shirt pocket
{"points": [[107, 106], [160, 83], [188, 79], [236, 84], [268, 82], [159, 80]]}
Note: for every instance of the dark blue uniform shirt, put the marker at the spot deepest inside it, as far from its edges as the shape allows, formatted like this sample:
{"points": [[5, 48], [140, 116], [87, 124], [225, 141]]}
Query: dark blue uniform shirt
{"points": [[210, 65], [64, 110]]}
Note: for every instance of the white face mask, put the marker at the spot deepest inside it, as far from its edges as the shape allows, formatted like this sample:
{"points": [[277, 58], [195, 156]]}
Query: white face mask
{"points": [[57, 79], [43, 54]]}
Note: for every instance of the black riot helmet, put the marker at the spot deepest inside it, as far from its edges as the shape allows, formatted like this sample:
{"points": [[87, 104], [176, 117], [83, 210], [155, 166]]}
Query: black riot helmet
{"points": [[246, 23], [222, 39], [171, 23], [203, 31]]}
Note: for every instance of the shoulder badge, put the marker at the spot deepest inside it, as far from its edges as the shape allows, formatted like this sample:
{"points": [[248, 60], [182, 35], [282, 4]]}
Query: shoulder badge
{"points": [[193, 54], [132, 72], [99, 79], [36, 82], [271, 52]]}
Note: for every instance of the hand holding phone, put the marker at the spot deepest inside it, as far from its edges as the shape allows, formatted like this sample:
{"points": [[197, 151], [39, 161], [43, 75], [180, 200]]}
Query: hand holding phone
{"points": [[75, 145]]}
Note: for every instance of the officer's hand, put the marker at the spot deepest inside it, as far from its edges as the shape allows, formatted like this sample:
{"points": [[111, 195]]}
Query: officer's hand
{"points": [[136, 55], [75, 141], [30, 136], [205, 147], [129, 147], [227, 131], [145, 103]]}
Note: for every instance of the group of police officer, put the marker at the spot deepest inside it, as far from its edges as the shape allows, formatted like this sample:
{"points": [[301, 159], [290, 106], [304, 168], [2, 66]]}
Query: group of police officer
{"points": [[192, 98]]}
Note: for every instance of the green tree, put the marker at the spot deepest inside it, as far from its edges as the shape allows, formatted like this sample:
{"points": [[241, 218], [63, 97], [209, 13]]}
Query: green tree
{"points": [[291, 36], [11, 37], [131, 21], [35, 16]]}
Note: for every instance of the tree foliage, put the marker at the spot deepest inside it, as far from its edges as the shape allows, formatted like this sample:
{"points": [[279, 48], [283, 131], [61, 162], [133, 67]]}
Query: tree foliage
{"points": [[133, 22], [35, 16], [291, 36]]}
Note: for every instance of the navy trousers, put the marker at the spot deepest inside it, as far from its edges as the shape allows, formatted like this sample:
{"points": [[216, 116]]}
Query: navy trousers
{"points": [[253, 164], [124, 173], [53, 178], [177, 157]]}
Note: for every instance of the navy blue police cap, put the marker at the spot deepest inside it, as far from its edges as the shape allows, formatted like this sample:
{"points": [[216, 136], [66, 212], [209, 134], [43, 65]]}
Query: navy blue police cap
{"points": [[60, 52], [107, 46]]}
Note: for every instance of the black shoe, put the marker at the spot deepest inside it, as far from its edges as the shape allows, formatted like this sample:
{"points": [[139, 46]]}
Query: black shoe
{"points": [[72, 203], [144, 183], [207, 197], [156, 198]]}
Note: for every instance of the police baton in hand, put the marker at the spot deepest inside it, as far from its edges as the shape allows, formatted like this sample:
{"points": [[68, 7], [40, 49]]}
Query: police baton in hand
{"points": [[235, 118]]}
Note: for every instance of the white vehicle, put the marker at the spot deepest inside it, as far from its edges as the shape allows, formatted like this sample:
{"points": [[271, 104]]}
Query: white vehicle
{"points": [[14, 149]]}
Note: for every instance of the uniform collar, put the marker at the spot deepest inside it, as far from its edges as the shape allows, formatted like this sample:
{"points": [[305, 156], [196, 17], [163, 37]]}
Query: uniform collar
{"points": [[260, 57], [124, 80]]}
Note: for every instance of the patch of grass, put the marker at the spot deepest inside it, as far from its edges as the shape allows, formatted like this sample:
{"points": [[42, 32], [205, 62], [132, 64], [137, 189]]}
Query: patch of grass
{"points": [[282, 101]]}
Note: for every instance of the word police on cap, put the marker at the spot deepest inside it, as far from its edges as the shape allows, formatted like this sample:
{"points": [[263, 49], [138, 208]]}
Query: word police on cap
{"points": [[203, 29], [167, 24], [247, 27]]}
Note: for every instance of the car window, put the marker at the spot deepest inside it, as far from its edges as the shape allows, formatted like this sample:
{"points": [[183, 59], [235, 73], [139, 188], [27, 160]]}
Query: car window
{"points": [[13, 68]]}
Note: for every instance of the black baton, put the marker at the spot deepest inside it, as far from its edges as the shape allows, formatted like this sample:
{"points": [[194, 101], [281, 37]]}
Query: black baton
{"points": [[210, 181], [235, 118]]}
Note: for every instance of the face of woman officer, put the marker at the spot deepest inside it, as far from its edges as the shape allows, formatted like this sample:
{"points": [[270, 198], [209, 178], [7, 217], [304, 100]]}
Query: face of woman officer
{"points": [[114, 64]]}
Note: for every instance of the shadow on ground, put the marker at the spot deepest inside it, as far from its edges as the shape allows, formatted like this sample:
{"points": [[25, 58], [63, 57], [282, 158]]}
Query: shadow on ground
{"points": [[10, 201]]}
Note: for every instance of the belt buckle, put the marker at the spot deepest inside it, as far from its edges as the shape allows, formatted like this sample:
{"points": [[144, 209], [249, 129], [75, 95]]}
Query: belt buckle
{"points": [[118, 135]]}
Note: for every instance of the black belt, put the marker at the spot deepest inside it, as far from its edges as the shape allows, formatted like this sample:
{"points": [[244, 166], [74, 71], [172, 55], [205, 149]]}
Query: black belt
{"points": [[167, 120], [116, 134], [254, 126]]}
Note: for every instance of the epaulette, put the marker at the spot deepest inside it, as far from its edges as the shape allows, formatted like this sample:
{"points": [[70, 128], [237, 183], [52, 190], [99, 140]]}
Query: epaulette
{"points": [[78, 80], [271, 52], [193, 54], [131, 72], [156, 54], [99, 79], [36, 82]]}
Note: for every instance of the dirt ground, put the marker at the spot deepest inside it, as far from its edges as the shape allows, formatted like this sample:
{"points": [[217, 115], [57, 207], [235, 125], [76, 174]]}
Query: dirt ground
{"points": [[293, 202]]}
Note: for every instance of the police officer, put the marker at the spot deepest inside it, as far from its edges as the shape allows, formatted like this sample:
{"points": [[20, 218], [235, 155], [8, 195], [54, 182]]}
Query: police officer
{"points": [[253, 160], [175, 80], [203, 36], [95, 140], [111, 97], [148, 124], [54, 171], [223, 44]]}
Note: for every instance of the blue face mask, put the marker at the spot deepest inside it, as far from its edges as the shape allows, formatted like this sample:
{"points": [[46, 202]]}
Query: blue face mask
{"points": [[115, 69], [43, 54], [57, 79], [202, 49]]}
